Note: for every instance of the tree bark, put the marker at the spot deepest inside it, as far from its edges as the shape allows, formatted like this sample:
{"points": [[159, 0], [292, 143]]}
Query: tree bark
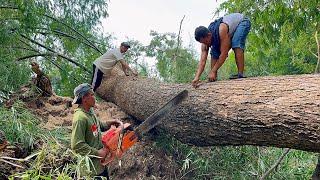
{"points": [[266, 111]]}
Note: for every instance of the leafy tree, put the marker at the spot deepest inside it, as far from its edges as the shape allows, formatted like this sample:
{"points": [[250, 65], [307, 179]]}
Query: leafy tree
{"points": [[136, 56], [62, 35], [174, 63]]}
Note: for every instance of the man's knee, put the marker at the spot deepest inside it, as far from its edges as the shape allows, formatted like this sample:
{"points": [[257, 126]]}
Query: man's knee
{"points": [[238, 50]]}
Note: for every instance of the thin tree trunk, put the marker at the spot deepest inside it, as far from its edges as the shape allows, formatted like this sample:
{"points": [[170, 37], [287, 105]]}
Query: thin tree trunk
{"points": [[275, 165], [316, 173], [317, 70], [267, 111]]}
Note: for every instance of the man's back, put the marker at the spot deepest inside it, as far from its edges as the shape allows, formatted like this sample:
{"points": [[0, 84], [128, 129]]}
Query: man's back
{"points": [[108, 60], [232, 20]]}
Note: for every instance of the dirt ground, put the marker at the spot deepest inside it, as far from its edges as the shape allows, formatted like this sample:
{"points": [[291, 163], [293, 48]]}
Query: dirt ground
{"points": [[143, 161]]}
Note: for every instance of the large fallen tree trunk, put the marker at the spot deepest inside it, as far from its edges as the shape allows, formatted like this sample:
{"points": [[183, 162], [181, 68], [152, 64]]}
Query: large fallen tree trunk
{"points": [[268, 111]]}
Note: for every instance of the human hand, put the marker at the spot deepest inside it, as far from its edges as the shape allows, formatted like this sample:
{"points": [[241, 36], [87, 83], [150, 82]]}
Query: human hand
{"points": [[212, 76], [195, 82], [113, 123], [134, 73], [103, 152]]}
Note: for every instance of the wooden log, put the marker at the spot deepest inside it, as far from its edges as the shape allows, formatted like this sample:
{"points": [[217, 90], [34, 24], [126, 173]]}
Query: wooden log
{"points": [[279, 111]]}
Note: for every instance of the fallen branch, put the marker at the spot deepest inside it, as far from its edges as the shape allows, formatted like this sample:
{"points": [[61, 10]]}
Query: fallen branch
{"points": [[20, 160], [13, 164], [286, 151]]}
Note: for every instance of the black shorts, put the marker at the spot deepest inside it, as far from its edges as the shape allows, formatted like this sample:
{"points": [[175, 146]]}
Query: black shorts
{"points": [[96, 78]]}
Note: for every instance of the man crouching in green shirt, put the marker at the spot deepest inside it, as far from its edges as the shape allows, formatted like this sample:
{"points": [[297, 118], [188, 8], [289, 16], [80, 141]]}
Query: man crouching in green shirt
{"points": [[86, 129]]}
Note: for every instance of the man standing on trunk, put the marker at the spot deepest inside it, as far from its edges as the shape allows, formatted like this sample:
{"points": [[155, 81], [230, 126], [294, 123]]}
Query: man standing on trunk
{"points": [[105, 63], [223, 34]]}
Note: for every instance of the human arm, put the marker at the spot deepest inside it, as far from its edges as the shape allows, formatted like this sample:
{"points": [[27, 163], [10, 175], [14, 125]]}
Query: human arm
{"points": [[201, 65], [125, 68], [225, 45]]}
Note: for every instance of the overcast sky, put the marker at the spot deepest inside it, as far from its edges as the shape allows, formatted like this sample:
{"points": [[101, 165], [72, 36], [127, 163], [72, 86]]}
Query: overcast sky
{"points": [[136, 18]]}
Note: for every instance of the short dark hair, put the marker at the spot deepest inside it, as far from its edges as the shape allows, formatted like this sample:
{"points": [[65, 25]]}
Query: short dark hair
{"points": [[125, 44], [201, 32]]}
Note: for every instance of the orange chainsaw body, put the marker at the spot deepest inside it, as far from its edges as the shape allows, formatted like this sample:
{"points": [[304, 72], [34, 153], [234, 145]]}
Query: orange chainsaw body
{"points": [[118, 140]]}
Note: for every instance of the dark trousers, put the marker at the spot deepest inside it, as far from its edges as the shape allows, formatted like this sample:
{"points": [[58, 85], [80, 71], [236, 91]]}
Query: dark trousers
{"points": [[96, 78], [105, 173]]}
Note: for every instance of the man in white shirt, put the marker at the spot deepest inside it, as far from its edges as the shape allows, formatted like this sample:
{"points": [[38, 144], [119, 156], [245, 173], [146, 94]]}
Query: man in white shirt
{"points": [[105, 63]]}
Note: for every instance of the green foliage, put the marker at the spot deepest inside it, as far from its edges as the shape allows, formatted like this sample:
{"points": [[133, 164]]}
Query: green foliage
{"points": [[135, 56], [56, 161], [12, 74], [174, 64], [239, 162], [63, 35], [19, 125]]}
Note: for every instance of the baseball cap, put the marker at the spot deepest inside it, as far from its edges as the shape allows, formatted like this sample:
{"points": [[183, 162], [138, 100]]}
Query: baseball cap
{"points": [[125, 44], [80, 91]]}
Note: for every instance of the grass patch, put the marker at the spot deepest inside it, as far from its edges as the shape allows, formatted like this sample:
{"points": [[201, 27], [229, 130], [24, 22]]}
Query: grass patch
{"points": [[54, 159], [237, 162]]}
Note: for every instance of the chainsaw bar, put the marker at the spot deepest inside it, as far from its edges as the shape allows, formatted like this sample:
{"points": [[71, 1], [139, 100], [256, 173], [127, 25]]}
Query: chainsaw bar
{"points": [[155, 118]]}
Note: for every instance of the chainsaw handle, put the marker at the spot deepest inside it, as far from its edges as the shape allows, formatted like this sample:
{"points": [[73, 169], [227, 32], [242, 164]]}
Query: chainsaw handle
{"points": [[108, 158]]}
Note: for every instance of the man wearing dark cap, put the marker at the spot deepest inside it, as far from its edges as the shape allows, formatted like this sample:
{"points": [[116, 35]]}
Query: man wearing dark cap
{"points": [[105, 63], [86, 130]]}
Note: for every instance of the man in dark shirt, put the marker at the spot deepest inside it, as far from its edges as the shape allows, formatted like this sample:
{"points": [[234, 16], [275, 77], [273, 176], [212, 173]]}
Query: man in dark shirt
{"points": [[223, 34]]}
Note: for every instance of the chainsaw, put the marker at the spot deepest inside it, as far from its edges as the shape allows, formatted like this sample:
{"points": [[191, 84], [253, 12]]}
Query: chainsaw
{"points": [[118, 140]]}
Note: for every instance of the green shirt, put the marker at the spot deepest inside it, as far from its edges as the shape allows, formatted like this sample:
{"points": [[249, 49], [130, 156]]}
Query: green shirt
{"points": [[86, 136]]}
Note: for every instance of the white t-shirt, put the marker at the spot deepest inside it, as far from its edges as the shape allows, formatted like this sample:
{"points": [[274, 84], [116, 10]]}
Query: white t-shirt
{"points": [[108, 60]]}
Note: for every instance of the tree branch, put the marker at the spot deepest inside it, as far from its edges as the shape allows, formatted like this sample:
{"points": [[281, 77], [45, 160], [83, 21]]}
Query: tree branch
{"points": [[54, 63], [59, 67], [66, 35], [23, 48], [275, 165], [28, 45], [60, 55], [178, 43], [8, 7], [96, 48], [31, 56], [12, 164]]}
